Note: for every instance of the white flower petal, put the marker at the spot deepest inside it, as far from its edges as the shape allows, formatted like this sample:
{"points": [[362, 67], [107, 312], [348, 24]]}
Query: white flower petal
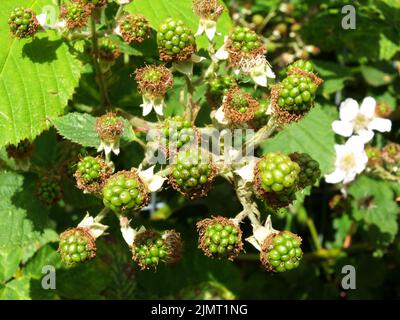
{"points": [[349, 177], [41, 18], [361, 162], [117, 31], [221, 53], [61, 24], [367, 107], [342, 128], [260, 80], [159, 107], [348, 109], [336, 176], [211, 29], [355, 144], [270, 73], [96, 229], [220, 116], [252, 240], [147, 106], [380, 124], [200, 30], [365, 135], [246, 172], [156, 183]]}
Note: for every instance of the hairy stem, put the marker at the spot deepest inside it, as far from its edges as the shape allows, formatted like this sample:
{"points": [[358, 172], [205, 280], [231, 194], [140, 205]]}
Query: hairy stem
{"points": [[102, 214], [101, 81]]}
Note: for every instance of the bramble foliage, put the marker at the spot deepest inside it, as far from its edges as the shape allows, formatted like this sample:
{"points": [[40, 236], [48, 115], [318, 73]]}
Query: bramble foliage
{"points": [[104, 110]]}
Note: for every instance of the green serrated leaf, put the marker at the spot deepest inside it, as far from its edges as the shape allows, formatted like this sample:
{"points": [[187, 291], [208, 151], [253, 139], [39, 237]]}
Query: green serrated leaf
{"points": [[37, 78], [312, 135], [79, 128], [375, 206], [19, 230], [156, 11], [377, 76], [17, 289]]}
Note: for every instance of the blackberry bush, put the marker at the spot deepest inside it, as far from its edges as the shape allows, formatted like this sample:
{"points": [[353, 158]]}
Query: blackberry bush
{"points": [[125, 191], [23, 22], [218, 88], [281, 252], [175, 41]]}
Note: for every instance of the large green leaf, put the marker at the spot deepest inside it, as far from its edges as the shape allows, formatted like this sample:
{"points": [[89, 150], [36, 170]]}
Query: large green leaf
{"points": [[37, 77], [21, 233], [312, 135], [156, 11], [79, 128], [375, 206]]}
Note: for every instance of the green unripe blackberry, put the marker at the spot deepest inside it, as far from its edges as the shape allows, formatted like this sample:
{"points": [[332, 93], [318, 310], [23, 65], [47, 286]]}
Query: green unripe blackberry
{"points": [[192, 173], [76, 14], [309, 169], [108, 49], [23, 22], [374, 155], [175, 41], [297, 93], [176, 133], [124, 191], [220, 238], [276, 172], [220, 86], [134, 28], [239, 106], [89, 169], [48, 190], [77, 245], [109, 127], [261, 116], [306, 66], [244, 40], [150, 248], [281, 252]]}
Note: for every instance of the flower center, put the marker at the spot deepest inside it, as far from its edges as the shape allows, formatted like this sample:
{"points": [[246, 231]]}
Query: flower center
{"points": [[360, 122], [348, 161]]}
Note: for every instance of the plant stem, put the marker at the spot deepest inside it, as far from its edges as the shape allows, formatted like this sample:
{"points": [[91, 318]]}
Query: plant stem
{"points": [[190, 91], [101, 81], [101, 215], [314, 233]]}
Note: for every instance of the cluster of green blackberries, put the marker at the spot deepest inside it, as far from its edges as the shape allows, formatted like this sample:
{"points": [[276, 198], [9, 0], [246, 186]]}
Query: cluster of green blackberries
{"points": [[77, 245], [277, 172], [108, 49], [306, 66], [218, 88], [49, 191], [309, 169], [281, 252], [175, 41], [124, 191], [244, 40], [75, 14], [91, 174], [176, 133], [23, 23], [150, 248], [278, 176], [192, 172], [297, 93], [134, 28], [89, 169], [220, 237]]}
